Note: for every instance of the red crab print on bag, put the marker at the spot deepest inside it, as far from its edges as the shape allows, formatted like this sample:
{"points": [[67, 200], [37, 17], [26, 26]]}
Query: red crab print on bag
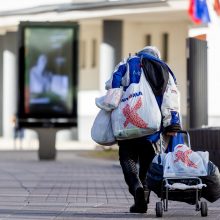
{"points": [[132, 116], [184, 157]]}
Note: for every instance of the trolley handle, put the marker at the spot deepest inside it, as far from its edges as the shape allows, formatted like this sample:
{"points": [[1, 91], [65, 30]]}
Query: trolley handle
{"points": [[187, 135], [180, 132]]}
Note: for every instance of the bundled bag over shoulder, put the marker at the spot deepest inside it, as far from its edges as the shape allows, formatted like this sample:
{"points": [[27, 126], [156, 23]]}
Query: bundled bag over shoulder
{"points": [[101, 131], [138, 113]]}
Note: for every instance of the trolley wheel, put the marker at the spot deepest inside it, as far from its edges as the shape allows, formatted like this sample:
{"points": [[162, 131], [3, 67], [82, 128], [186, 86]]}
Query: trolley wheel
{"points": [[204, 209], [159, 209]]}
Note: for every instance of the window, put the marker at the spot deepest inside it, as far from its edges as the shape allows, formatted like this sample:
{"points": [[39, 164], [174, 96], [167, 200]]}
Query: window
{"points": [[94, 52], [165, 45], [148, 40], [83, 54]]}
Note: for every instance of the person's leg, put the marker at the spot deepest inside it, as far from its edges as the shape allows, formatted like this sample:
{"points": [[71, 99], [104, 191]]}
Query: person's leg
{"points": [[21, 136], [128, 156], [15, 137], [146, 156]]}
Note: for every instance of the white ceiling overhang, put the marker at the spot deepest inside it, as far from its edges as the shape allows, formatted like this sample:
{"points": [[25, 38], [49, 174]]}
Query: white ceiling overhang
{"points": [[86, 10]]}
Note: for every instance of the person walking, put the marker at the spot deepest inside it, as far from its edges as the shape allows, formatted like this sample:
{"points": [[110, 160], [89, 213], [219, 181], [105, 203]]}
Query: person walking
{"points": [[136, 154], [18, 132]]}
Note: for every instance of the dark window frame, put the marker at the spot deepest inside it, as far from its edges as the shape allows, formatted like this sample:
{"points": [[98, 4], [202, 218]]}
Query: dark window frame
{"points": [[165, 45]]}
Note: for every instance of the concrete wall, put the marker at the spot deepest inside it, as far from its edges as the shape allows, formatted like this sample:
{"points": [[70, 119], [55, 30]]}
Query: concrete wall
{"points": [[1, 83], [213, 37]]}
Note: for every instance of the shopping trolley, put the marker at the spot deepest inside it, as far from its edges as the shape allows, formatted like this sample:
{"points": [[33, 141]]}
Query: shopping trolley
{"points": [[189, 192]]}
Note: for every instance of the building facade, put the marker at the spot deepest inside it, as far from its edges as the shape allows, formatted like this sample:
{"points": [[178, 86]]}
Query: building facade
{"points": [[108, 32]]}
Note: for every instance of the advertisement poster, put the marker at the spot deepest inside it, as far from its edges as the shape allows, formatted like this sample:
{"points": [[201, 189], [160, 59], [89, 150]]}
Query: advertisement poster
{"points": [[48, 71]]}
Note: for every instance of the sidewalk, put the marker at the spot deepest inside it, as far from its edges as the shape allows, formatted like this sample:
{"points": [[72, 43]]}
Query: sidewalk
{"points": [[73, 187], [32, 144]]}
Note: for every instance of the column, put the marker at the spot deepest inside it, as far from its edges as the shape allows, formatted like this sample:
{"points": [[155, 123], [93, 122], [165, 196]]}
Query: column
{"points": [[1, 84], [9, 82], [111, 50]]}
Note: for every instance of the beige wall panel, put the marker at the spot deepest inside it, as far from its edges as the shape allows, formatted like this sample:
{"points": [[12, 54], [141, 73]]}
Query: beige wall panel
{"points": [[89, 76]]}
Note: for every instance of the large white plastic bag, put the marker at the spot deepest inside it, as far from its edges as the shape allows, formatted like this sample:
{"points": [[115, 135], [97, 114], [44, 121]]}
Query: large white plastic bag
{"points": [[101, 131], [113, 97], [100, 104], [138, 113], [111, 100], [185, 162]]}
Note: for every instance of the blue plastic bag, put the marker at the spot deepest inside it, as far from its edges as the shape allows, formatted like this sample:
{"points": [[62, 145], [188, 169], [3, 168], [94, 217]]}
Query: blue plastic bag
{"points": [[175, 140]]}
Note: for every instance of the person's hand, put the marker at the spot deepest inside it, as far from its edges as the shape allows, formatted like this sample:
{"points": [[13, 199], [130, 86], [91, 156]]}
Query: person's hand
{"points": [[171, 133]]}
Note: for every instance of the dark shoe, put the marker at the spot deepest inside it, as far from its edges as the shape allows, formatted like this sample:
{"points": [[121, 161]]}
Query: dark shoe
{"points": [[136, 209], [140, 203]]}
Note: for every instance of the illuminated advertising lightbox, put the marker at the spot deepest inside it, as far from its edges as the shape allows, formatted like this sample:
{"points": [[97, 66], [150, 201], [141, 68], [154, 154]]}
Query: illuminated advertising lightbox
{"points": [[47, 71]]}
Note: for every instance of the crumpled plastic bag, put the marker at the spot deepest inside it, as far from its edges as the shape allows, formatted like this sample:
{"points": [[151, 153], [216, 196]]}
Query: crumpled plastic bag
{"points": [[183, 161], [101, 131], [111, 100], [183, 186], [212, 180]]}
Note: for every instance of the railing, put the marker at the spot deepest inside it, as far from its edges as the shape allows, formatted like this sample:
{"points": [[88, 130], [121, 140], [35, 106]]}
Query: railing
{"points": [[207, 139]]}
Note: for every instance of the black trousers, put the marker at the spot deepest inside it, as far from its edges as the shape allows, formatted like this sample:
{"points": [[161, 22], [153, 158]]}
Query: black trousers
{"points": [[135, 156]]}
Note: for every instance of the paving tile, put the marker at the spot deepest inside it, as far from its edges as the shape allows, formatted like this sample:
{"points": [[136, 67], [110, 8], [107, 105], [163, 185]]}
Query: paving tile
{"points": [[80, 188]]}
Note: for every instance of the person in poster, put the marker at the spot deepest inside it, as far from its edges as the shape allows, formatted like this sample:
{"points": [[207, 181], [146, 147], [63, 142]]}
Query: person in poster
{"points": [[48, 90]]}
